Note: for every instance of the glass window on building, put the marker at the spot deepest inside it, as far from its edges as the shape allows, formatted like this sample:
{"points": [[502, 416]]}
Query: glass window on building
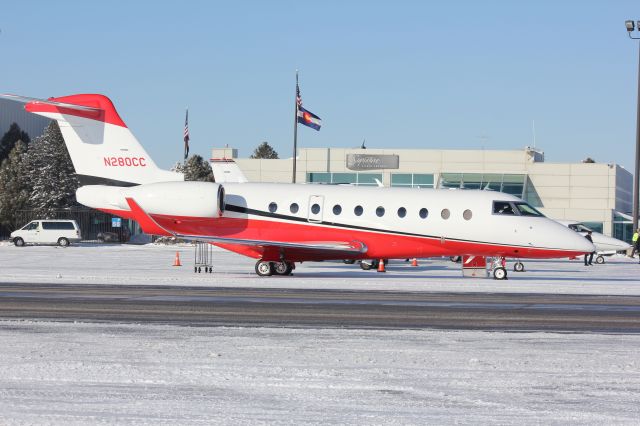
{"points": [[450, 180], [513, 184], [622, 227], [492, 181], [594, 226], [369, 179], [472, 181], [344, 178], [412, 180]]}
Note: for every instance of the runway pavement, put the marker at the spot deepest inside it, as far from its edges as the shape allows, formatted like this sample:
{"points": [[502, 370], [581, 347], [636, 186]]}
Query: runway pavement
{"points": [[320, 308]]}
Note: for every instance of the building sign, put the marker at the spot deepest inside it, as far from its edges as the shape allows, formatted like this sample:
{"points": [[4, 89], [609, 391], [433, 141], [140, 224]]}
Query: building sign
{"points": [[372, 161], [116, 222]]}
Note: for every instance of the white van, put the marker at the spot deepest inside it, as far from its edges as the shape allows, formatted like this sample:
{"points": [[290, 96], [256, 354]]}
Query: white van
{"points": [[61, 232]]}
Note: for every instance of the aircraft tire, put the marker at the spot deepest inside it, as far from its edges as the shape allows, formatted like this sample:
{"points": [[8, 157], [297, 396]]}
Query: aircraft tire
{"points": [[349, 261], [500, 273], [264, 269], [368, 265], [600, 259], [282, 268], [518, 267]]}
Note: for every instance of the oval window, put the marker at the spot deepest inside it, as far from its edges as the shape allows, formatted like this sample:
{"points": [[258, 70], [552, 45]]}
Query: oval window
{"points": [[315, 209], [380, 211], [402, 212], [467, 214], [337, 209], [294, 208], [424, 213], [273, 207], [358, 211], [445, 213]]}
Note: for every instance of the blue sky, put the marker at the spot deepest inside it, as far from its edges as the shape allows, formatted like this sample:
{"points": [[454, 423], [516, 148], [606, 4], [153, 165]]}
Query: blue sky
{"points": [[400, 74]]}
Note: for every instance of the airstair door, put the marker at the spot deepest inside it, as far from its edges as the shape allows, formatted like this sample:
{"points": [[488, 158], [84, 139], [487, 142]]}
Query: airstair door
{"points": [[316, 206]]}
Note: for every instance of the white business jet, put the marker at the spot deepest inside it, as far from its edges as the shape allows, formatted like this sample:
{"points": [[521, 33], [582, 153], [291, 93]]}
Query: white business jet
{"points": [[280, 224], [605, 246]]}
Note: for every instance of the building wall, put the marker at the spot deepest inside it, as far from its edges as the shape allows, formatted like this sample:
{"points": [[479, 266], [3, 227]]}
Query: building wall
{"points": [[588, 192], [13, 112]]}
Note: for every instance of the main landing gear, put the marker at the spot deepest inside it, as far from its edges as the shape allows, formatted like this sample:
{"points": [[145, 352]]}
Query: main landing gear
{"points": [[498, 268], [266, 269]]}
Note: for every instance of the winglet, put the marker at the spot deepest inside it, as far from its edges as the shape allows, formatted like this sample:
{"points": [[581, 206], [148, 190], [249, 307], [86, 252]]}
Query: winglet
{"points": [[146, 222]]}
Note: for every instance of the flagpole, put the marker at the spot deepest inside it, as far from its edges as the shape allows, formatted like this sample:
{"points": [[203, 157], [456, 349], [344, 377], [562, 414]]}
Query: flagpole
{"points": [[295, 131]]}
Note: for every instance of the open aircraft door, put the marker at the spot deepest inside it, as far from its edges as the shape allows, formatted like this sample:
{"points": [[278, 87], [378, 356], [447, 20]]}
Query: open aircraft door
{"points": [[316, 205]]}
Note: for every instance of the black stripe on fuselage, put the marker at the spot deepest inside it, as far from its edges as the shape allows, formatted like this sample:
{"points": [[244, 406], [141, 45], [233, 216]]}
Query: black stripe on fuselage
{"points": [[246, 210]]}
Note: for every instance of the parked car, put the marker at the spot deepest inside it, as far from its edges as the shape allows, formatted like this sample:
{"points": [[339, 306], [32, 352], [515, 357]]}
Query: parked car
{"points": [[60, 232], [122, 236]]}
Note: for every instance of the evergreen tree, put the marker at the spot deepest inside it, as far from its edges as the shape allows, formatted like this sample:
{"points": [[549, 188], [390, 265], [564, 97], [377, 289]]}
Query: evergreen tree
{"points": [[264, 150], [9, 140], [14, 186], [52, 177], [196, 168], [178, 167]]}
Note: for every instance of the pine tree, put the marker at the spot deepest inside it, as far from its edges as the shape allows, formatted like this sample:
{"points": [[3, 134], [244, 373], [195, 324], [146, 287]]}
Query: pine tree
{"points": [[196, 168], [9, 140], [51, 174], [14, 186], [264, 150]]}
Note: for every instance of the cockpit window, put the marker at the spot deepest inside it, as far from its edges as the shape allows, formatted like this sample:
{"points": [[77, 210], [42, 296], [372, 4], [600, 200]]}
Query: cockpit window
{"points": [[503, 207], [512, 208], [526, 210], [578, 227]]}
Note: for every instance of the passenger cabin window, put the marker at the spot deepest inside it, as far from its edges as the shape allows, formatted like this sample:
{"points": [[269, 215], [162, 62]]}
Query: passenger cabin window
{"points": [[467, 214], [402, 212], [293, 208], [423, 213], [445, 213], [380, 211], [315, 209], [337, 209], [273, 207], [358, 210]]}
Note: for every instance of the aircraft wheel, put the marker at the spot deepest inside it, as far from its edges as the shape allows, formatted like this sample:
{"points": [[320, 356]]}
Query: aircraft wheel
{"points": [[349, 261], [264, 269], [282, 268], [19, 242], [500, 273], [600, 259], [518, 267], [369, 264]]}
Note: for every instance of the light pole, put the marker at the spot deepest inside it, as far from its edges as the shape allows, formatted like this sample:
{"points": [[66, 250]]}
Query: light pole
{"points": [[636, 176]]}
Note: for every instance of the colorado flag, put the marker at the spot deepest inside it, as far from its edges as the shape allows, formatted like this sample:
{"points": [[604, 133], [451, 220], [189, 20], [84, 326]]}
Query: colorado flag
{"points": [[308, 118]]}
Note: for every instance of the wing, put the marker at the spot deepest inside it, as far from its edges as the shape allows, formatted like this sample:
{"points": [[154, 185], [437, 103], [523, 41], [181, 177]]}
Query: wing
{"points": [[268, 250]]}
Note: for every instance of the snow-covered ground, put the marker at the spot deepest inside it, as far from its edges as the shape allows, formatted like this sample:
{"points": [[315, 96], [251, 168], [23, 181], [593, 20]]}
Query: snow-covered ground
{"points": [[79, 373], [151, 264], [64, 373]]}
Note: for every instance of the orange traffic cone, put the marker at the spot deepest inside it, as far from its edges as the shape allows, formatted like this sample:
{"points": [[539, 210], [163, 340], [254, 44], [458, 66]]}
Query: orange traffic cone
{"points": [[176, 261], [381, 266], [414, 262]]}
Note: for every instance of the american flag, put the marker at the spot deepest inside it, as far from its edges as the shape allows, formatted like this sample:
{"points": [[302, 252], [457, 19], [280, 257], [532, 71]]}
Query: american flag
{"points": [[186, 135], [298, 98]]}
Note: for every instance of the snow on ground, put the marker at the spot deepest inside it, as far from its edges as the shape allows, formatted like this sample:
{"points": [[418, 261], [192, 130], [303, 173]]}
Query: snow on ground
{"points": [[79, 373], [66, 373], [151, 264]]}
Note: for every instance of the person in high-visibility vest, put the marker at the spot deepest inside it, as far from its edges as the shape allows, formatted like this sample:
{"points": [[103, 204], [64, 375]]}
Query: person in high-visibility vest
{"points": [[636, 243]]}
